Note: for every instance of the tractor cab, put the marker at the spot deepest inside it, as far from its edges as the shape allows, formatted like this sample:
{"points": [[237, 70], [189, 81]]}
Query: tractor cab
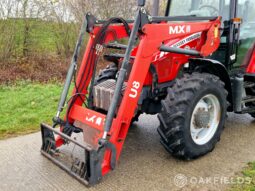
{"points": [[237, 30]]}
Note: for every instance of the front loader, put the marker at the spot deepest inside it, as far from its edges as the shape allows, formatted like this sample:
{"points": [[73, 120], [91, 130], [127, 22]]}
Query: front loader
{"points": [[176, 66]]}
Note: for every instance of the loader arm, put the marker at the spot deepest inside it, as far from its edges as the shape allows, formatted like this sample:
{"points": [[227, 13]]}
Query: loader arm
{"points": [[107, 133]]}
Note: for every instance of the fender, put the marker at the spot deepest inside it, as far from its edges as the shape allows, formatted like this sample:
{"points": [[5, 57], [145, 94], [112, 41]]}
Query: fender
{"points": [[216, 68], [251, 61]]}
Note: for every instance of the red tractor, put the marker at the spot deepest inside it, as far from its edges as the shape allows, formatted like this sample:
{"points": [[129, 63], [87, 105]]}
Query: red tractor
{"points": [[190, 67]]}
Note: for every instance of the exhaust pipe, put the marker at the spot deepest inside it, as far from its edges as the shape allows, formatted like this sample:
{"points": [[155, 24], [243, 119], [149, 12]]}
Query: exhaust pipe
{"points": [[238, 86]]}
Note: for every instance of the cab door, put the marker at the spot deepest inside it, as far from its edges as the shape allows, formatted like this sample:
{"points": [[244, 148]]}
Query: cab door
{"points": [[246, 49]]}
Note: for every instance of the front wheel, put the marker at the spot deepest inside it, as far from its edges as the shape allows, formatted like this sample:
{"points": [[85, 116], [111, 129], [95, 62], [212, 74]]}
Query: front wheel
{"points": [[251, 92], [193, 115]]}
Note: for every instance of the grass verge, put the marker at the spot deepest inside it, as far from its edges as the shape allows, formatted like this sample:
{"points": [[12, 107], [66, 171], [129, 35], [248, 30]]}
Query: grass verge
{"points": [[24, 106], [247, 180]]}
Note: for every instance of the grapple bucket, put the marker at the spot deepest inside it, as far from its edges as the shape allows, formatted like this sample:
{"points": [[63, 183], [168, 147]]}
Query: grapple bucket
{"points": [[78, 159]]}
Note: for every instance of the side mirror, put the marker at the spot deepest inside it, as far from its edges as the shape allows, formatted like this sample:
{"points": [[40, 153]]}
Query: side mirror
{"points": [[141, 3]]}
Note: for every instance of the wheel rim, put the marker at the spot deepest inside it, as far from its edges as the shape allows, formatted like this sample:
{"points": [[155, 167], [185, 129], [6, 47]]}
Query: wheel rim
{"points": [[205, 119]]}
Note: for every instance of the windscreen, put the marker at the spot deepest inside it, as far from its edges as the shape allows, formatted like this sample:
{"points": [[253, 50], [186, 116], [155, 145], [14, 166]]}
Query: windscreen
{"points": [[246, 11], [200, 8]]}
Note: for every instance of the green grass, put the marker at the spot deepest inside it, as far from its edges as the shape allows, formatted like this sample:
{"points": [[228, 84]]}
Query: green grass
{"points": [[248, 174], [24, 106]]}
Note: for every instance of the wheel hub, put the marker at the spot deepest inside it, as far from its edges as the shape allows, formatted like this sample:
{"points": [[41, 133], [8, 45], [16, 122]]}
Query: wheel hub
{"points": [[205, 119], [202, 118]]}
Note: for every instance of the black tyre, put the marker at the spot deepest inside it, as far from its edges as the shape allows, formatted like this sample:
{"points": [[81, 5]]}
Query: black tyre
{"points": [[108, 73], [253, 115], [251, 92], [136, 117], [193, 115]]}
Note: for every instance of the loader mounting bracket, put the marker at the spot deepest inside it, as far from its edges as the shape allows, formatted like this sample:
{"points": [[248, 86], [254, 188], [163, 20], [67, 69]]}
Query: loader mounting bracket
{"points": [[91, 21]]}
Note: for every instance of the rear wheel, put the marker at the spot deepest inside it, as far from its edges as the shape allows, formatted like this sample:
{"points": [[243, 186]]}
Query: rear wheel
{"points": [[193, 115]]}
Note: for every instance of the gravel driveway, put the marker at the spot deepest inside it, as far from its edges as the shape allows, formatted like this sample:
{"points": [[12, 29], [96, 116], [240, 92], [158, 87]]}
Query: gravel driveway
{"points": [[144, 164]]}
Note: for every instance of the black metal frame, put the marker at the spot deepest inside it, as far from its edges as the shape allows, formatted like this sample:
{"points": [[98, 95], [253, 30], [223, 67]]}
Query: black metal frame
{"points": [[182, 18], [91, 169], [179, 50]]}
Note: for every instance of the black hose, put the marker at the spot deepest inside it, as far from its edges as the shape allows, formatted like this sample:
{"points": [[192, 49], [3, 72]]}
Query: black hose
{"points": [[93, 58]]}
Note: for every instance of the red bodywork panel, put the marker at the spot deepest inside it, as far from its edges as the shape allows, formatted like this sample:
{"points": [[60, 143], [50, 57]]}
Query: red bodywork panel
{"points": [[200, 36], [251, 66]]}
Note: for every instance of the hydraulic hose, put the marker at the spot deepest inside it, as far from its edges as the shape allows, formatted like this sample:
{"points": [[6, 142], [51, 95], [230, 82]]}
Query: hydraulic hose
{"points": [[71, 69]]}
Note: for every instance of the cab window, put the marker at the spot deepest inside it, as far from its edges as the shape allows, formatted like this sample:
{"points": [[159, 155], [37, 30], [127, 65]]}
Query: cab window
{"points": [[246, 11]]}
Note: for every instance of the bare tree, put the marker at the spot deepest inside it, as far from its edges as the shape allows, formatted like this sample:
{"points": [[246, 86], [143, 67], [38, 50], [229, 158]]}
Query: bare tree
{"points": [[7, 28], [19, 20], [65, 28], [103, 9], [162, 7]]}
